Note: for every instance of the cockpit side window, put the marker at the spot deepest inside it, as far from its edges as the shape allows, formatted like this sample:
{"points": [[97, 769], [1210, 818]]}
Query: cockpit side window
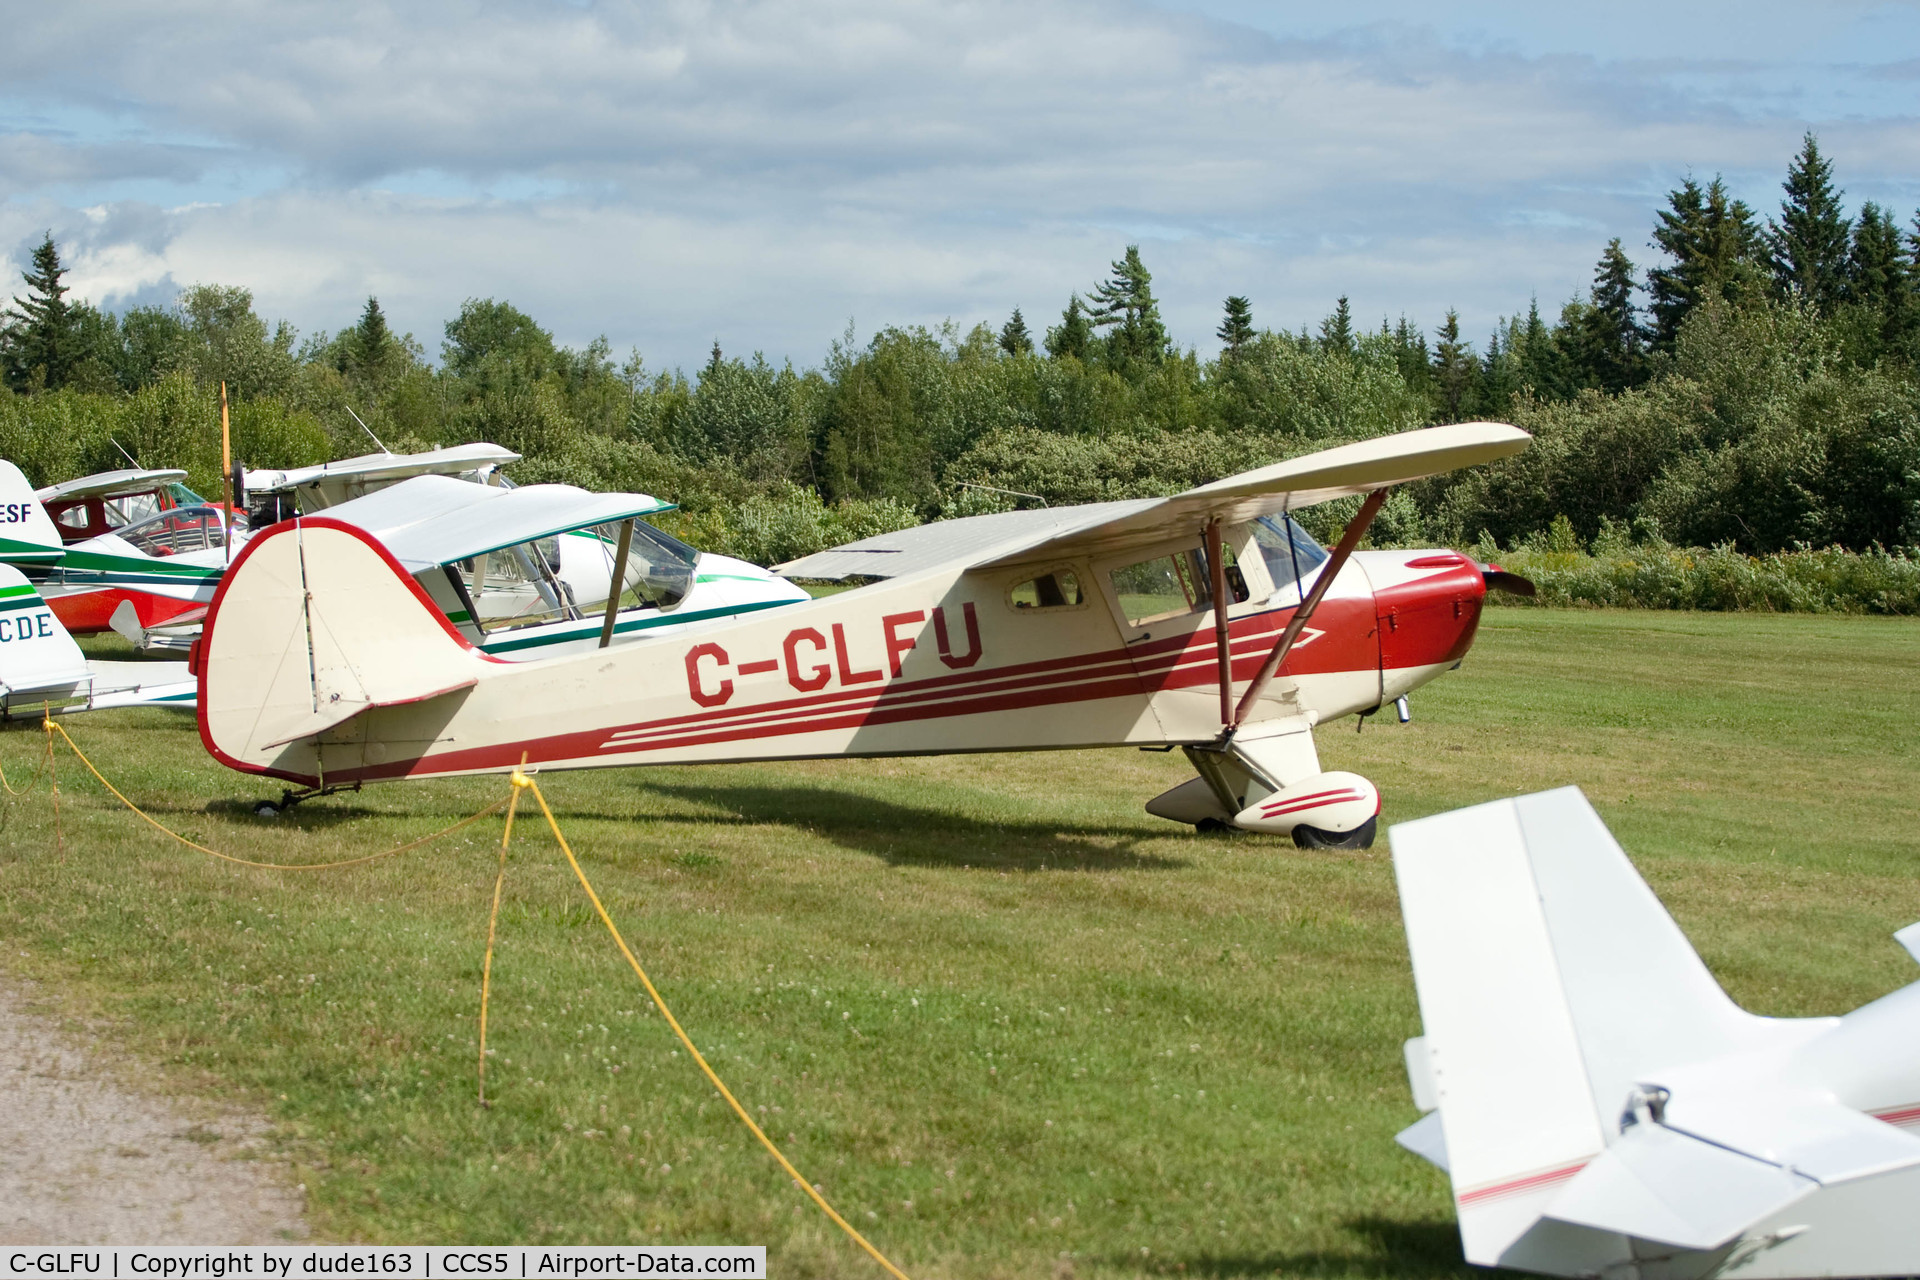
{"points": [[1059, 589], [1168, 586]]}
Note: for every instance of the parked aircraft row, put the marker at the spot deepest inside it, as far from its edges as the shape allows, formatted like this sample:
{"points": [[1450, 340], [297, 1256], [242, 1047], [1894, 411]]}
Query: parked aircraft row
{"points": [[393, 616], [517, 568]]}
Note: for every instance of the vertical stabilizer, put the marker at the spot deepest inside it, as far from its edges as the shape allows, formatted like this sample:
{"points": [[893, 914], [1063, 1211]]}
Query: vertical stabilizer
{"points": [[1503, 1054], [1553, 986], [27, 532], [37, 656], [1639, 996]]}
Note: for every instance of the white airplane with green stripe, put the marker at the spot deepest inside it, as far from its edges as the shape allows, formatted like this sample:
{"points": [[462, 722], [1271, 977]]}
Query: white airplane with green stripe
{"points": [[42, 668], [529, 572]]}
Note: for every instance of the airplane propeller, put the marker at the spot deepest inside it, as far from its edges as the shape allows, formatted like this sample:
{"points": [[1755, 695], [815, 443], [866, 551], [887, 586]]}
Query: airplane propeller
{"points": [[1498, 579]]}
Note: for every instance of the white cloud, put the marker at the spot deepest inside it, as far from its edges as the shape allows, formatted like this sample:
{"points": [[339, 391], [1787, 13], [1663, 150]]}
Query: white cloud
{"points": [[759, 172]]}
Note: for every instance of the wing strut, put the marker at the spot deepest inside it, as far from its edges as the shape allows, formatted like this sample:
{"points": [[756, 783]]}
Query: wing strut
{"points": [[1222, 641], [1356, 529], [617, 587]]}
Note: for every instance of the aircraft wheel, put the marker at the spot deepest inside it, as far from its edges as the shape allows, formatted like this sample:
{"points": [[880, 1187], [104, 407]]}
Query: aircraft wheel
{"points": [[1361, 837], [266, 809], [1213, 827]]}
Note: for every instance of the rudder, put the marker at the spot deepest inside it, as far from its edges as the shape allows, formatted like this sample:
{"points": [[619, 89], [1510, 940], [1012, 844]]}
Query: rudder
{"points": [[1549, 976], [27, 533], [314, 624]]}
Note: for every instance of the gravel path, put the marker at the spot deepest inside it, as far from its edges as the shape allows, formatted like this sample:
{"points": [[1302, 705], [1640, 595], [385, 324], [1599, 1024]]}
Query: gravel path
{"points": [[84, 1159]]}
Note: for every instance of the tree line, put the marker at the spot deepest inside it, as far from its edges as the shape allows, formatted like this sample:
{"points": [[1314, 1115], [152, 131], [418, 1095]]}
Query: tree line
{"points": [[1755, 385]]}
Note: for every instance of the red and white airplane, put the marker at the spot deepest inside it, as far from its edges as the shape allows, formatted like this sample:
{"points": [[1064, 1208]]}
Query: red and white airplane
{"points": [[325, 662]]}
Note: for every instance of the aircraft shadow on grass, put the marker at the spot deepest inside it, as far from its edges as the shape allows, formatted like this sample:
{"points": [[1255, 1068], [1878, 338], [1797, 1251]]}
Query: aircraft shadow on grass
{"points": [[907, 835], [1386, 1248]]}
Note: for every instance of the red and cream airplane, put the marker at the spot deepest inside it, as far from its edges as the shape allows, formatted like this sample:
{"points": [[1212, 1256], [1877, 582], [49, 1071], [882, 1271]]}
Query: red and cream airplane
{"points": [[326, 663]]}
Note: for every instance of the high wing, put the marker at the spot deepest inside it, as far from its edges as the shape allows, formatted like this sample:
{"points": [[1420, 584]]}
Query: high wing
{"points": [[435, 520], [111, 484], [383, 467], [1018, 536]]}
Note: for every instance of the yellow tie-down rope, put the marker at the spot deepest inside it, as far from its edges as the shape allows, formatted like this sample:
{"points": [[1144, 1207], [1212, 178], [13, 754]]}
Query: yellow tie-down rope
{"points": [[53, 728], [521, 782]]}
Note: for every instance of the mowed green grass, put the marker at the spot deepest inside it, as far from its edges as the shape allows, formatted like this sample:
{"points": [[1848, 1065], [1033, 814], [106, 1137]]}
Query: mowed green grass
{"points": [[1011, 1024]]}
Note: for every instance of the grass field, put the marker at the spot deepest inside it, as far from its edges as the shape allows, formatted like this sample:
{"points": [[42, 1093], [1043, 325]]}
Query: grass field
{"points": [[1011, 1024]]}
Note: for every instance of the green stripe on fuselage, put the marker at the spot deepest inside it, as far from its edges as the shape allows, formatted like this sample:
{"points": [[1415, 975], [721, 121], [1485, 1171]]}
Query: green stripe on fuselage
{"points": [[89, 567], [589, 630]]}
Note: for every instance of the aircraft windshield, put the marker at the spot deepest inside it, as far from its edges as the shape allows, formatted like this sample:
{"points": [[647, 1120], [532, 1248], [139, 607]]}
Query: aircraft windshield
{"points": [[1290, 551], [659, 567], [178, 531], [570, 576]]}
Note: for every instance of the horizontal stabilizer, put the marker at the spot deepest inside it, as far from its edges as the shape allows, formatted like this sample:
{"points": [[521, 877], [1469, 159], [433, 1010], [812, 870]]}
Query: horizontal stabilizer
{"points": [[1426, 1139], [1813, 1135], [1655, 1184], [1909, 938], [335, 714]]}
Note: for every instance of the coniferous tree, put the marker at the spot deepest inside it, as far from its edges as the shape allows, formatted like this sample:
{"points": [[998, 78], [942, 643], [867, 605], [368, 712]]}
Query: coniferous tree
{"points": [[1409, 347], [42, 338], [1499, 376], [372, 343], [1014, 338], [1877, 260], [1455, 370], [1540, 365], [1713, 242], [1807, 247], [1336, 331], [1880, 277], [1125, 304], [1610, 344], [1073, 336], [1236, 330]]}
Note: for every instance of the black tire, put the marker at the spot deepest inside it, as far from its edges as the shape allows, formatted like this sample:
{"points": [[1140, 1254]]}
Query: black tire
{"points": [[1213, 827], [1361, 837], [266, 809]]}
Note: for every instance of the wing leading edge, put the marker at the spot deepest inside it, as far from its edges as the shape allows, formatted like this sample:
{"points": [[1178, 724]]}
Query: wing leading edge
{"points": [[1015, 537]]}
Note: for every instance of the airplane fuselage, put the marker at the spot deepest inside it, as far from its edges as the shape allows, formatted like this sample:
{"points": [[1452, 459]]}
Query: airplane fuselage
{"points": [[954, 661]]}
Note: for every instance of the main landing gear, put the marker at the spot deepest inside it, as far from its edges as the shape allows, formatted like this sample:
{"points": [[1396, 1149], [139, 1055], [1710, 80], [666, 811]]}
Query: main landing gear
{"points": [[1269, 779]]}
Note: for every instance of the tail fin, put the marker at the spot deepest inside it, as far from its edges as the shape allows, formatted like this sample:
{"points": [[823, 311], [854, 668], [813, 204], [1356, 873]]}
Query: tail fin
{"points": [[1549, 977], [27, 532], [314, 624], [38, 659]]}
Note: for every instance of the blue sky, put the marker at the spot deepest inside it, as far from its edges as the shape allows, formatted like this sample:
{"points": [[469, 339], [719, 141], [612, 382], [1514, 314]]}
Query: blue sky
{"points": [[765, 174]]}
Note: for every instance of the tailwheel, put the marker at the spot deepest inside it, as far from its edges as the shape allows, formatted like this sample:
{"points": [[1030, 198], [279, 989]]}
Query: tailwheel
{"points": [[1361, 837]]}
